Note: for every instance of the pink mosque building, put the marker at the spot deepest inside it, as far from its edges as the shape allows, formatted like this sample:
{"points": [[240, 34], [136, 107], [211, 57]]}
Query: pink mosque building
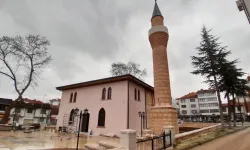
{"points": [[112, 103]]}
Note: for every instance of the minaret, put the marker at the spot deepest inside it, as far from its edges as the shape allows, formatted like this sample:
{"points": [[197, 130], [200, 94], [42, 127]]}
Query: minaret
{"points": [[162, 114]]}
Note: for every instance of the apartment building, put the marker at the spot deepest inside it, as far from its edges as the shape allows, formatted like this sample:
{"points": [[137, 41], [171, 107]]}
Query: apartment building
{"points": [[30, 111], [202, 105], [54, 103], [239, 109]]}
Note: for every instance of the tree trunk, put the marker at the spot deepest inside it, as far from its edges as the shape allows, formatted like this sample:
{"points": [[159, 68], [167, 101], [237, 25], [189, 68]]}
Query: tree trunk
{"points": [[229, 112], [239, 107], [7, 110], [234, 110], [245, 103], [6, 115], [220, 106]]}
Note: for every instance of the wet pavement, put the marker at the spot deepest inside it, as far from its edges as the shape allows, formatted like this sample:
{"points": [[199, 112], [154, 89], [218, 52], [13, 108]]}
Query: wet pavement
{"points": [[45, 140]]}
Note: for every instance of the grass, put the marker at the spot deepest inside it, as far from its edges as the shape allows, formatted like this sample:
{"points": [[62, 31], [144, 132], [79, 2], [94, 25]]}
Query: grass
{"points": [[206, 137]]}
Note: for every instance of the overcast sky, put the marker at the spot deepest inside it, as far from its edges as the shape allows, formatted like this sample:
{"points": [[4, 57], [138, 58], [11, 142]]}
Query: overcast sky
{"points": [[88, 35]]}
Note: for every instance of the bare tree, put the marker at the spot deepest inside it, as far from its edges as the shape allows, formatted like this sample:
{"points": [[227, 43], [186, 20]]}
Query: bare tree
{"points": [[119, 68], [22, 60]]}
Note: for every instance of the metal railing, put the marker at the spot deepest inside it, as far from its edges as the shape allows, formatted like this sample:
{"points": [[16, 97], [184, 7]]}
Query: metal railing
{"points": [[160, 142]]}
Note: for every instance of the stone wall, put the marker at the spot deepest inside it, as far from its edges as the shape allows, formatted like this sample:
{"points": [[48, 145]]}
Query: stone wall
{"points": [[196, 124], [163, 116], [194, 133]]}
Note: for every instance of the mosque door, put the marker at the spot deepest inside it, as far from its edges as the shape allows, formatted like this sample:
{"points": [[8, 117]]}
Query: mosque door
{"points": [[85, 123]]}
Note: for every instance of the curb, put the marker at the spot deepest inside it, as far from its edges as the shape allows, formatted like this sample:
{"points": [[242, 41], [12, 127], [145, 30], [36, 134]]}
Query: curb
{"points": [[200, 143]]}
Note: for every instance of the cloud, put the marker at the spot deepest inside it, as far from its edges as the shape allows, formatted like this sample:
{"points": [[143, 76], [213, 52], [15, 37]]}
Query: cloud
{"points": [[87, 36]]}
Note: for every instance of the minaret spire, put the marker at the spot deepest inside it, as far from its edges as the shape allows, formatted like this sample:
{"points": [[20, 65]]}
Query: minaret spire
{"points": [[156, 11]]}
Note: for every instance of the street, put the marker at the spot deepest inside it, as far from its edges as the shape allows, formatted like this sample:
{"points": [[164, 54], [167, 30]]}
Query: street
{"points": [[235, 141]]}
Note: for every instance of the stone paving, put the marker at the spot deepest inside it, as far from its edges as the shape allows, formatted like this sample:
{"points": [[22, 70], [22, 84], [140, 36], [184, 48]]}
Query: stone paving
{"points": [[44, 140]]}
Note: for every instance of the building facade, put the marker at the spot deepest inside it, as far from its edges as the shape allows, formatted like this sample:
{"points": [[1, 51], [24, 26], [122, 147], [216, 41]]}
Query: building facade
{"points": [[112, 105], [54, 104], [28, 112], [202, 105], [239, 110], [3, 103]]}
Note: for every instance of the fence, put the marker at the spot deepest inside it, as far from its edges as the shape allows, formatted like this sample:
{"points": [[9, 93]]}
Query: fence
{"points": [[160, 142]]}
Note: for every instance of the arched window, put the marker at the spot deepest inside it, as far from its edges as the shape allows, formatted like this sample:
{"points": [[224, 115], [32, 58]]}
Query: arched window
{"points": [[139, 95], [109, 93], [75, 95], [135, 94], [101, 118], [103, 93], [71, 98], [71, 116]]}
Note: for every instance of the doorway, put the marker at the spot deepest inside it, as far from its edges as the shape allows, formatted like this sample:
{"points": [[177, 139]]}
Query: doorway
{"points": [[85, 123]]}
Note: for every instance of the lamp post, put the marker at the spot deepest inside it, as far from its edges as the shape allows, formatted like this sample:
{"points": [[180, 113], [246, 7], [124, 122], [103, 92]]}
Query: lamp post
{"points": [[78, 128], [141, 115], [80, 118]]}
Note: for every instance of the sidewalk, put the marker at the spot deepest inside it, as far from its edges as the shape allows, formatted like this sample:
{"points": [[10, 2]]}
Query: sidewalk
{"points": [[236, 141]]}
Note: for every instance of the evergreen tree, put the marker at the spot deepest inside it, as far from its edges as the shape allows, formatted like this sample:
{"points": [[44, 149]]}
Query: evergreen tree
{"points": [[209, 57]]}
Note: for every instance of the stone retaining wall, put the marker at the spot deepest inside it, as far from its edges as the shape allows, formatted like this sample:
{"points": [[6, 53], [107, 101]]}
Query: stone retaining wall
{"points": [[4, 127], [191, 134]]}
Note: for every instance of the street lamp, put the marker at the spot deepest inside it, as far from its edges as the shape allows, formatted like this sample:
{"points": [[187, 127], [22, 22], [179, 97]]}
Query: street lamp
{"points": [[78, 128], [86, 111], [81, 115], [141, 115]]}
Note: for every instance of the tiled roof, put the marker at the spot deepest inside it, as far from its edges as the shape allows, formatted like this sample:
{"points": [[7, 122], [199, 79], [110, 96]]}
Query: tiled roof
{"points": [[189, 95], [56, 99], [33, 101], [205, 91], [126, 77]]}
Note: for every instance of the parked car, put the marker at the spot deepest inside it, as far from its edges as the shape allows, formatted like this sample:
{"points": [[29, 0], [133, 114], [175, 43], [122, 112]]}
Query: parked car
{"points": [[35, 126]]}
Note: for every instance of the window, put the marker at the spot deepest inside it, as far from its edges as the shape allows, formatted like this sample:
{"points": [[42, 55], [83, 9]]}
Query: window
{"points": [[184, 112], [43, 111], [29, 110], [17, 110], [75, 95], [212, 99], [204, 111], [214, 110], [193, 106], [103, 93], [101, 118], [71, 116], [203, 105], [139, 95], [71, 98], [135, 94], [192, 100], [41, 119], [109, 93], [213, 104], [194, 111], [183, 101], [183, 106], [202, 100]]}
